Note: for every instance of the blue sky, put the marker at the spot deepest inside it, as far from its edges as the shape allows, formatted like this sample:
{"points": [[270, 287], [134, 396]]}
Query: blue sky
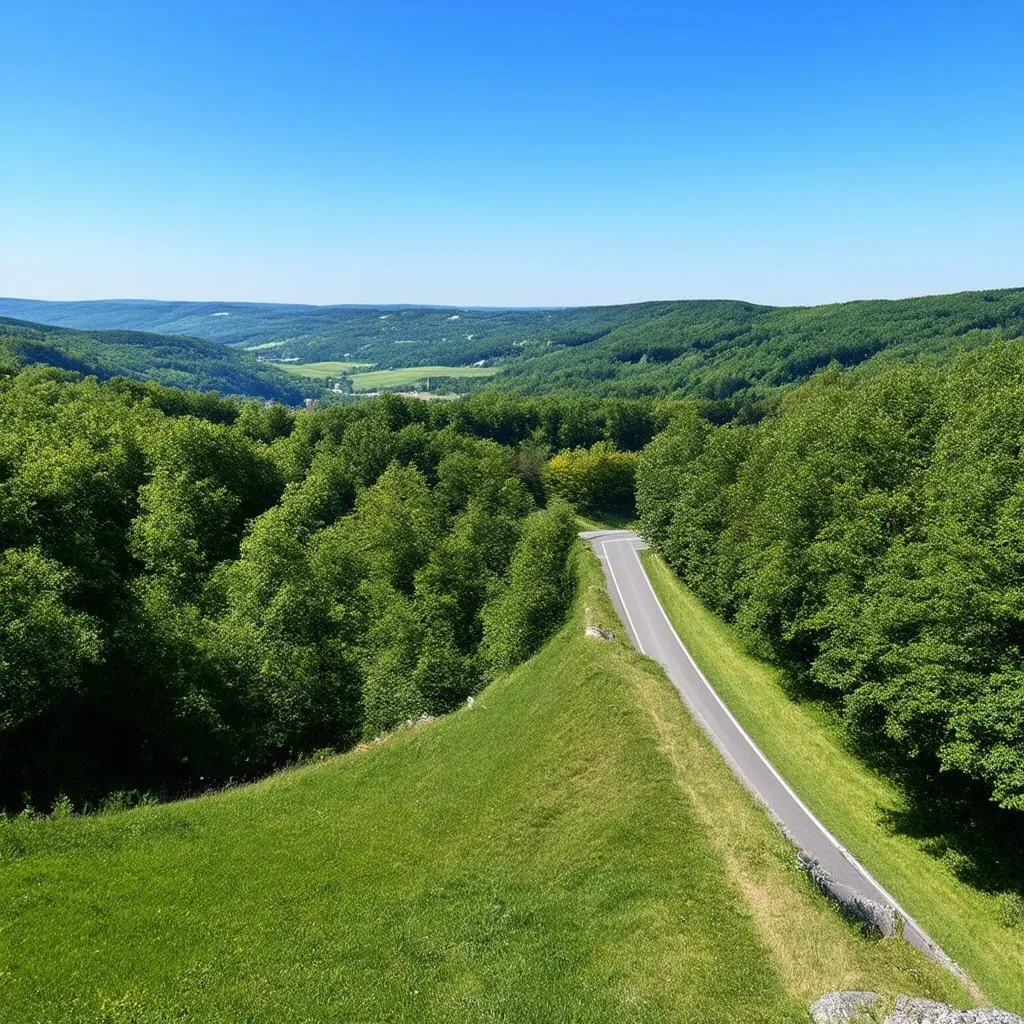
{"points": [[499, 154]]}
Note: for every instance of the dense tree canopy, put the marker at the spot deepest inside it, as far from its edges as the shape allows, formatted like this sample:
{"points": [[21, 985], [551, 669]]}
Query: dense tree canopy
{"points": [[867, 536], [193, 590]]}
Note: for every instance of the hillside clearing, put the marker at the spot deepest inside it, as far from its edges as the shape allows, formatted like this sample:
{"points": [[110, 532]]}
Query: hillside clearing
{"points": [[374, 380], [364, 379], [854, 802], [322, 371], [569, 849]]}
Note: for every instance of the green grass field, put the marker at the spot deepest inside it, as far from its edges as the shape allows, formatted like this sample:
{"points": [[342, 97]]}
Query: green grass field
{"points": [[322, 371], [570, 849], [805, 744], [364, 379], [374, 380]]}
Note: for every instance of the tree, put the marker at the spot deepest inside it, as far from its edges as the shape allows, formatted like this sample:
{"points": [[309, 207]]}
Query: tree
{"points": [[595, 478], [520, 617], [44, 643]]}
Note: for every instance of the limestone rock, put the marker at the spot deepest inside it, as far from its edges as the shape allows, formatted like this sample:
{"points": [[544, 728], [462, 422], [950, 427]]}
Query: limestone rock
{"points": [[844, 1007], [857, 1007], [597, 631], [924, 1011], [877, 916]]}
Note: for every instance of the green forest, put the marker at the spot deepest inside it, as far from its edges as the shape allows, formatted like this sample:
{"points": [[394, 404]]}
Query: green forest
{"points": [[195, 590], [714, 349], [179, 362], [865, 535]]}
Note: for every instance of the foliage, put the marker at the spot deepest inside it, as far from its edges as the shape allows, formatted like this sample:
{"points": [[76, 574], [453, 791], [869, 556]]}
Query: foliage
{"points": [[716, 350], [538, 591], [595, 478], [193, 590], [172, 361], [866, 536]]}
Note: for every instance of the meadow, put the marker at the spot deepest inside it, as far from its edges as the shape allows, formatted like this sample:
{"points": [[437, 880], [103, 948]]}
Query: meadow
{"points": [[376, 380], [323, 371]]}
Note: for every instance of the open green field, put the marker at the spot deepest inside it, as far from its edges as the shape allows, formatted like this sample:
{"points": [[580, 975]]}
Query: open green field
{"points": [[854, 802], [374, 380], [571, 848], [322, 371]]}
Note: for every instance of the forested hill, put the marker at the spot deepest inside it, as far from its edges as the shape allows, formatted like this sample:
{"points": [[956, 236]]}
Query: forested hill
{"points": [[713, 348], [172, 361], [718, 349]]}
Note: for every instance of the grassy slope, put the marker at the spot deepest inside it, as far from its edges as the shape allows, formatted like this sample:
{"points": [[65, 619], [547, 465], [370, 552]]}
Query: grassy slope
{"points": [[570, 849], [806, 746]]}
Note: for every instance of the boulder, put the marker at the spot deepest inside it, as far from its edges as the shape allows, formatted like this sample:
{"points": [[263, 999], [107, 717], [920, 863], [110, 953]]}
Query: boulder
{"points": [[599, 633], [844, 1007], [858, 1007]]}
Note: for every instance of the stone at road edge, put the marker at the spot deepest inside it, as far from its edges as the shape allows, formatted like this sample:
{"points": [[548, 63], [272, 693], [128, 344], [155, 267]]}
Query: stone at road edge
{"points": [[855, 1007]]}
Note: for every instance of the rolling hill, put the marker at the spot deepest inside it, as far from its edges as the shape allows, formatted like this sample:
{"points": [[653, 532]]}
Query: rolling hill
{"points": [[711, 348], [173, 361]]}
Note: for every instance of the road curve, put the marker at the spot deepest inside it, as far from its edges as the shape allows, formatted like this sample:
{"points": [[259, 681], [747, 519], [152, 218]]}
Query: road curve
{"points": [[653, 634]]}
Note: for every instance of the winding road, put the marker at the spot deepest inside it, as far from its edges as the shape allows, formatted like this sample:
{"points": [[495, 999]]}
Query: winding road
{"points": [[653, 634]]}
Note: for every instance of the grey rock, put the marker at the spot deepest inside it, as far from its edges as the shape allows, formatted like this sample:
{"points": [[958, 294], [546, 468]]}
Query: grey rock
{"points": [[857, 1007], [924, 1011], [597, 631], [844, 1007], [879, 917]]}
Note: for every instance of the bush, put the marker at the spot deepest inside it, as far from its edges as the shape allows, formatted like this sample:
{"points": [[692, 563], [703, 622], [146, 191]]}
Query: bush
{"points": [[592, 479]]}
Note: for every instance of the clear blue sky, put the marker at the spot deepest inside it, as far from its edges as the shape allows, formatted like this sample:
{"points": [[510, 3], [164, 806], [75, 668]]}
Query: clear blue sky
{"points": [[511, 154]]}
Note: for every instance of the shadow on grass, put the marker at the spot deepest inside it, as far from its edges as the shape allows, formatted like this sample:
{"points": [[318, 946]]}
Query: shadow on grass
{"points": [[982, 844], [609, 519]]}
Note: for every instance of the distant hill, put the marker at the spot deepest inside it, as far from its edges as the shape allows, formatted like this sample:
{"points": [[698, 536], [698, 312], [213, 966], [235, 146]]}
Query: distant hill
{"points": [[713, 348], [390, 336], [173, 361], [719, 349]]}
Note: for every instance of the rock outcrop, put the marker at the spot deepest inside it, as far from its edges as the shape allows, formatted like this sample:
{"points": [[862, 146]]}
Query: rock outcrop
{"points": [[877, 916], [869, 1007]]}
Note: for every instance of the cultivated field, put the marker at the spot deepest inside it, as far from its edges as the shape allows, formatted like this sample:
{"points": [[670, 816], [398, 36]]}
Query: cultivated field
{"points": [[322, 371]]}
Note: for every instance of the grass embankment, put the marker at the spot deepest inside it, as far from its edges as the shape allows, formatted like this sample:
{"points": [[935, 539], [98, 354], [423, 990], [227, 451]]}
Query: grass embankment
{"points": [[805, 744], [569, 849]]}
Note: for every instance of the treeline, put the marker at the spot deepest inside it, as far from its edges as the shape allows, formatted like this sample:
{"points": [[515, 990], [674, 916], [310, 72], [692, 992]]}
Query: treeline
{"points": [[713, 349], [193, 590], [868, 535]]}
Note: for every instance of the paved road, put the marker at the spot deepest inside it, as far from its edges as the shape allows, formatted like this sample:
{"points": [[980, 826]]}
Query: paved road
{"points": [[653, 635]]}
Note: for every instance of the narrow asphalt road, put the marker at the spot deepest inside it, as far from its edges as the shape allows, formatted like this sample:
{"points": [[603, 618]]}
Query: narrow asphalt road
{"points": [[653, 634]]}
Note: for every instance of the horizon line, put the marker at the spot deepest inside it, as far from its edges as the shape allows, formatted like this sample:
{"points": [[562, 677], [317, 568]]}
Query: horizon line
{"points": [[502, 308]]}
